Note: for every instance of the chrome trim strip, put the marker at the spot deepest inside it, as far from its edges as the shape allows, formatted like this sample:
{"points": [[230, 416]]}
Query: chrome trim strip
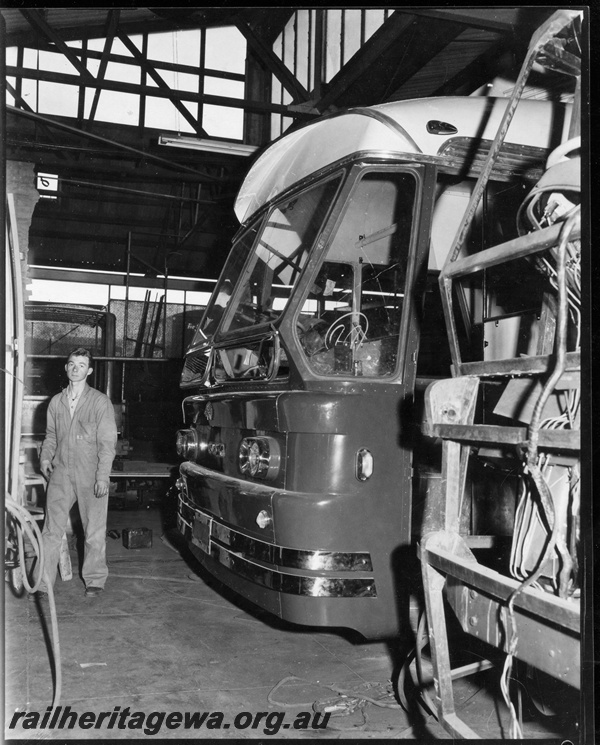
{"points": [[292, 558], [291, 584], [280, 556], [294, 584], [194, 470], [389, 122]]}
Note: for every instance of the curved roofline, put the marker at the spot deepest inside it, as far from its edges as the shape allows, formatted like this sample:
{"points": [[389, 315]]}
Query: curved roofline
{"points": [[399, 126], [388, 121]]}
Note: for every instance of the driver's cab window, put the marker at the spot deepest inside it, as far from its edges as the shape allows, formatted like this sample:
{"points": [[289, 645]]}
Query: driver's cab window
{"points": [[349, 323], [279, 255]]}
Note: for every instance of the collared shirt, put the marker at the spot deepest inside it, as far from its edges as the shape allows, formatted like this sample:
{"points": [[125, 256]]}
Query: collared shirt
{"points": [[73, 402]]}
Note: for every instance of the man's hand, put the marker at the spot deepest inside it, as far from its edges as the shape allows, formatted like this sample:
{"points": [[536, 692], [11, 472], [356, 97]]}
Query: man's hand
{"points": [[101, 489], [47, 469]]}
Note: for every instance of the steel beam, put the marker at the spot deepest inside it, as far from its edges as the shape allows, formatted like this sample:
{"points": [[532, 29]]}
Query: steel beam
{"points": [[273, 63], [112, 25], [119, 280], [170, 93], [148, 90]]}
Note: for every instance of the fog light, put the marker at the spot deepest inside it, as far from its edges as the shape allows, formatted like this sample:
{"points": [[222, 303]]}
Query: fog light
{"points": [[364, 464], [259, 457], [263, 519]]}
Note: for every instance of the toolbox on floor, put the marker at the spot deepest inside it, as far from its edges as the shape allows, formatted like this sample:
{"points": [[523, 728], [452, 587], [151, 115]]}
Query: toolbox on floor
{"points": [[137, 538]]}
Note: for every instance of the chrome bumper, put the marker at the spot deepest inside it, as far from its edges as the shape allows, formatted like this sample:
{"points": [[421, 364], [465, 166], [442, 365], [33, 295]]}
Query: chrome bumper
{"points": [[301, 572]]}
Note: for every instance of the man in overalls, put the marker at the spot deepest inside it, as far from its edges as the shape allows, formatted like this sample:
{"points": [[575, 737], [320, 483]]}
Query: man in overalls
{"points": [[76, 460]]}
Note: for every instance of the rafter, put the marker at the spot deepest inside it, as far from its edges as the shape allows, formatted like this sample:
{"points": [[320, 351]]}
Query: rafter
{"points": [[274, 64], [428, 40], [123, 59], [114, 85], [386, 35], [476, 73], [112, 25], [159, 80], [36, 21], [504, 19]]}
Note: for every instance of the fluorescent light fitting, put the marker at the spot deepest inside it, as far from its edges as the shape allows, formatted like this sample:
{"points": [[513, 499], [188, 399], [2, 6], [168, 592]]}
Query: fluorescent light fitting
{"points": [[223, 147]]}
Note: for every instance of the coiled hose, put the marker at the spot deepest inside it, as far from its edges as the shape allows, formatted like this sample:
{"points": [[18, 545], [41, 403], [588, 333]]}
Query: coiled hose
{"points": [[27, 525]]}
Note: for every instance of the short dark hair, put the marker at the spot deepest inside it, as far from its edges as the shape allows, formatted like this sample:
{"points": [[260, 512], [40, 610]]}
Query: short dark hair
{"points": [[82, 352]]}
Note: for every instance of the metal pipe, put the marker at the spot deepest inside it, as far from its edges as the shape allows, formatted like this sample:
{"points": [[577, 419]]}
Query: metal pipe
{"points": [[561, 337], [109, 351], [127, 273], [126, 318], [97, 138], [141, 192], [3, 273], [107, 358]]}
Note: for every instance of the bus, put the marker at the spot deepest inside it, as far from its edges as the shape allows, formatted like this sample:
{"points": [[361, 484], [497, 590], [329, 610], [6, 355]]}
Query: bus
{"points": [[303, 472]]}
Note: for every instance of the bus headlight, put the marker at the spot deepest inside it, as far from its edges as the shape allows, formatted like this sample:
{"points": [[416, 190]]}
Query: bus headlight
{"points": [[188, 444], [364, 464], [259, 457]]}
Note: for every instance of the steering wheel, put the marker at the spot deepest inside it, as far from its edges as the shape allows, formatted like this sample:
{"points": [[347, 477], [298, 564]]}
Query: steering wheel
{"points": [[338, 332]]}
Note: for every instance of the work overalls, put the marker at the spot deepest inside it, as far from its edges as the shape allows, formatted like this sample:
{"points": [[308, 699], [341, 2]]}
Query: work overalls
{"points": [[81, 450]]}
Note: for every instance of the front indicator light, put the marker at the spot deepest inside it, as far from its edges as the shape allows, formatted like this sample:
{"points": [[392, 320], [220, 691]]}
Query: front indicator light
{"points": [[259, 457], [364, 464], [263, 519]]}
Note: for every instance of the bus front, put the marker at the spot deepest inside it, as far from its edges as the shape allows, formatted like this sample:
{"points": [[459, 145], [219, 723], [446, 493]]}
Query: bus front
{"points": [[295, 485]]}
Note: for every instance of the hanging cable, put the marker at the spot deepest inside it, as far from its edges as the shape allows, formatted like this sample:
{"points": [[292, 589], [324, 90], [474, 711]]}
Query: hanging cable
{"points": [[26, 524], [544, 492]]}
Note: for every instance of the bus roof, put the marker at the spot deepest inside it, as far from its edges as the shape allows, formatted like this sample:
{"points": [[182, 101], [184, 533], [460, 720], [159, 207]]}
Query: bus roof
{"points": [[398, 127]]}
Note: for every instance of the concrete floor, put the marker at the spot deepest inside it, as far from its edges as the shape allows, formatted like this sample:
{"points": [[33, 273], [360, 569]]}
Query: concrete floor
{"points": [[164, 637]]}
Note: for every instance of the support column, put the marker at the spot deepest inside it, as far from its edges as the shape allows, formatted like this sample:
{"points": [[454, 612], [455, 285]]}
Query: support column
{"points": [[20, 182]]}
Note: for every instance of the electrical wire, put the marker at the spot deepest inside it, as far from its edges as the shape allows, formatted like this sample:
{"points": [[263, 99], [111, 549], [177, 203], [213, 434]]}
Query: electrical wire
{"points": [[416, 656], [344, 704], [336, 688], [532, 465]]}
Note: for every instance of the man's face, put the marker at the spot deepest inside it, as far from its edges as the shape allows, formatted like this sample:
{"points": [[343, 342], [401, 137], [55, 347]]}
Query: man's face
{"points": [[78, 368]]}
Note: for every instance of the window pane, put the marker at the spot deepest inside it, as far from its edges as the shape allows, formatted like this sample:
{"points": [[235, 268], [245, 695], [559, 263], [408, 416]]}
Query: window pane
{"points": [[9, 98], [161, 114], [225, 49], [178, 81], [121, 108], [54, 62], [178, 47], [222, 87], [123, 73], [231, 273], [279, 257], [56, 98], [351, 318], [223, 121], [117, 46]]}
